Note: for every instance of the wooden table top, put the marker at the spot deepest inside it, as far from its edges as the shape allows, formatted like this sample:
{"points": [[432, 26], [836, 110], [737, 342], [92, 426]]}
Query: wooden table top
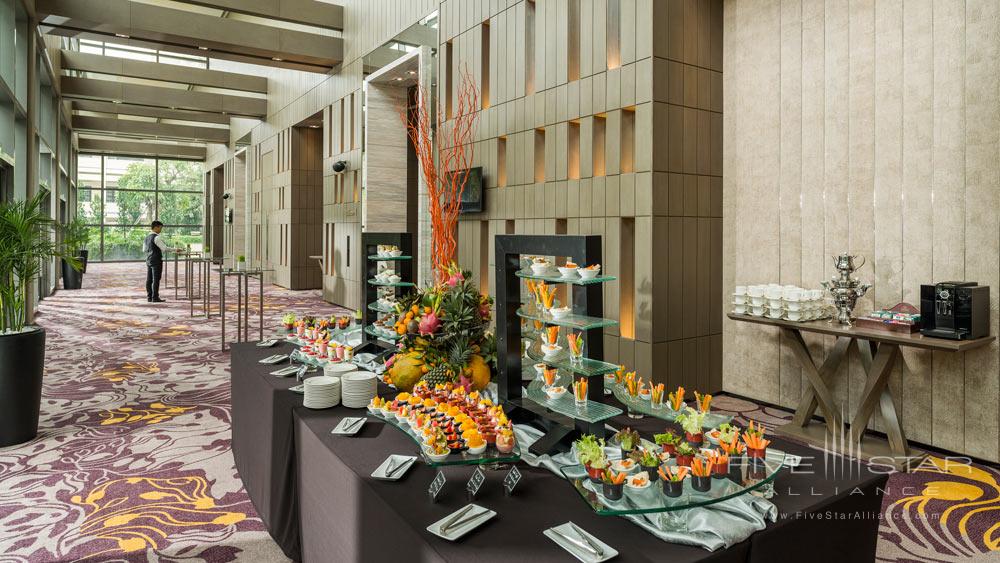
{"points": [[915, 339]]}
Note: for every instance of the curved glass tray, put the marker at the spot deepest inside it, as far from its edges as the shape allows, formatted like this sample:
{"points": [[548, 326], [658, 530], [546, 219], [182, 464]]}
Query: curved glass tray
{"points": [[557, 278], [335, 334], [745, 476], [586, 367], [301, 358], [491, 455], [370, 330], [378, 258], [374, 281], [381, 308], [636, 404], [566, 405], [579, 322]]}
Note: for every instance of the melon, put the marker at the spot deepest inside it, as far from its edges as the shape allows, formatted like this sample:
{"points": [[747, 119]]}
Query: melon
{"points": [[405, 371]]}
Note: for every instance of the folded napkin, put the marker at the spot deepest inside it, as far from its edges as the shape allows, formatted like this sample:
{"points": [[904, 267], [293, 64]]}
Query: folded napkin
{"points": [[712, 527]]}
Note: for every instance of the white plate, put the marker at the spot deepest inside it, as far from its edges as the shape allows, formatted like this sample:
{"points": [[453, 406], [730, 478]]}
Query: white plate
{"points": [[579, 552], [458, 531], [398, 471], [348, 421]]}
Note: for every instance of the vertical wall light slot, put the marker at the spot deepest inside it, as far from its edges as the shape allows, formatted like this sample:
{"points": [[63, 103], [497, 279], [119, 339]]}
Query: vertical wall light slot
{"points": [[502, 161], [540, 155], [449, 63], [573, 42], [350, 111], [529, 47], [484, 257], [357, 186], [508, 225], [573, 150], [614, 34], [600, 134], [485, 64], [348, 251], [626, 278], [341, 126], [628, 140]]}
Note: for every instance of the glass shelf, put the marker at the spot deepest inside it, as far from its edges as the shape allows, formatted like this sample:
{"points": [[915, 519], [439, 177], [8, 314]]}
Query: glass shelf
{"points": [[301, 358], [370, 330], [378, 258], [566, 404], [636, 404], [586, 367], [390, 284], [557, 278], [381, 308], [335, 334], [491, 455], [745, 475], [579, 322]]}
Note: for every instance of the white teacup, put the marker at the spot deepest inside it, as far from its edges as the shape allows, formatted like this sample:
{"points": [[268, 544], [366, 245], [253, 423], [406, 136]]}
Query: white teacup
{"points": [[794, 305], [792, 294], [740, 308], [774, 303], [774, 313], [755, 291], [757, 300], [757, 310], [739, 298], [794, 315], [740, 290]]}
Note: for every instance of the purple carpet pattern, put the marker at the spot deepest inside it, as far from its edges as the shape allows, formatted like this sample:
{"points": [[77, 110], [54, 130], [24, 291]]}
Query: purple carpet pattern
{"points": [[133, 461]]}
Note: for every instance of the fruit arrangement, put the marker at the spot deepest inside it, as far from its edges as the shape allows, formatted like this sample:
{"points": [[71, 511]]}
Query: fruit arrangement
{"points": [[444, 336], [449, 420]]}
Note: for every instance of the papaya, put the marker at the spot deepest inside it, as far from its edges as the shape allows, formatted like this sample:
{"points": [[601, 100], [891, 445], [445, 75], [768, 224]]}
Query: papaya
{"points": [[481, 374], [405, 371]]}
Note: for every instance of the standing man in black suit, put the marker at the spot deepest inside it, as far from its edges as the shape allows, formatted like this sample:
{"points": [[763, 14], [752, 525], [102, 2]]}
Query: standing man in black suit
{"points": [[154, 248]]}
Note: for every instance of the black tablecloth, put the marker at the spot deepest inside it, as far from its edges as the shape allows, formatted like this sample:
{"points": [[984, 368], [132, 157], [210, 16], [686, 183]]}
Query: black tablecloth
{"points": [[322, 492]]}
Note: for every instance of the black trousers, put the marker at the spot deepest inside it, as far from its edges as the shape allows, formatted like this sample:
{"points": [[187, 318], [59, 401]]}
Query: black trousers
{"points": [[153, 273]]}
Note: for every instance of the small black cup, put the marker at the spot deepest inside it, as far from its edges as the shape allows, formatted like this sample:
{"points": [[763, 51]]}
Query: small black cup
{"points": [[612, 491], [703, 484], [673, 488]]}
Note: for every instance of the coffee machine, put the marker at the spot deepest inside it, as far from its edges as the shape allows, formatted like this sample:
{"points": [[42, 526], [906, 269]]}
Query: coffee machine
{"points": [[955, 310]]}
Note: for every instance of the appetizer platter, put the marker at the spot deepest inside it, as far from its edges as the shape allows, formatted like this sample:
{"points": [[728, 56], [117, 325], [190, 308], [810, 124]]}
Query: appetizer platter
{"points": [[672, 474], [645, 398], [452, 426]]}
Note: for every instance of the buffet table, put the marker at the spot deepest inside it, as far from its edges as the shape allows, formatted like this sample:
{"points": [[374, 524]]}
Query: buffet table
{"points": [[314, 490]]}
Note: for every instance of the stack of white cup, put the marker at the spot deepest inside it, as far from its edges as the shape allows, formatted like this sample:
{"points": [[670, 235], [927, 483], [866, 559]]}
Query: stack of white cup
{"points": [[777, 301]]}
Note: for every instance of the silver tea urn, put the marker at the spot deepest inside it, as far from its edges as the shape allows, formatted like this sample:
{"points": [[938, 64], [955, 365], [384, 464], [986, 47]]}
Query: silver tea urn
{"points": [[845, 289]]}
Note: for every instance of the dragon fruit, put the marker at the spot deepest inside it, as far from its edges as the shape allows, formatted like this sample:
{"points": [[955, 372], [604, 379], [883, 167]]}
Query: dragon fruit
{"points": [[455, 279], [429, 324]]}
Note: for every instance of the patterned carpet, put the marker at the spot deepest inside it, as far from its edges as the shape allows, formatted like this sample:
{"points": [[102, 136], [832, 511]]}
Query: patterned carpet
{"points": [[133, 459]]}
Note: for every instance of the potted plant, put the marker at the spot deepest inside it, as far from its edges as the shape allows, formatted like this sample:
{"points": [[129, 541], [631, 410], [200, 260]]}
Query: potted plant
{"points": [[240, 262], [590, 452], [685, 453], [673, 480], [288, 321], [26, 244], [668, 441], [691, 421], [613, 484], [75, 236], [647, 459], [627, 440], [701, 474]]}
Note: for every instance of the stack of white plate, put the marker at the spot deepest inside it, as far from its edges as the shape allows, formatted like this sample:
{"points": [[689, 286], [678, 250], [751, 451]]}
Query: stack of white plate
{"points": [[359, 388], [322, 392], [338, 369]]}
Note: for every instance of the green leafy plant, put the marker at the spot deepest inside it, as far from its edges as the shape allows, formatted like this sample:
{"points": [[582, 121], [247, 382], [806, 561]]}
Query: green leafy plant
{"points": [[644, 457], [26, 243], [627, 438], [685, 449], [241, 258], [728, 431], [75, 236], [668, 438], [590, 451], [691, 420]]}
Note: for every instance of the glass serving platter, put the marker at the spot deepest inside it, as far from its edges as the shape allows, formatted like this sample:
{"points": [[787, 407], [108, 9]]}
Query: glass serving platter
{"points": [[388, 258], [491, 455], [665, 412], [579, 322], [565, 404], [585, 367], [370, 330], [556, 277], [301, 358], [374, 281], [335, 334], [381, 308], [745, 475]]}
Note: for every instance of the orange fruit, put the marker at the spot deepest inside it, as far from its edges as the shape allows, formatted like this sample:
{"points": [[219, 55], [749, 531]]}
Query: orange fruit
{"points": [[427, 310]]}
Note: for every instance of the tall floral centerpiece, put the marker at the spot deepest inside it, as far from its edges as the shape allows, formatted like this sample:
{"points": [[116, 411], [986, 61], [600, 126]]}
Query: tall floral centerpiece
{"points": [[445, 336]]}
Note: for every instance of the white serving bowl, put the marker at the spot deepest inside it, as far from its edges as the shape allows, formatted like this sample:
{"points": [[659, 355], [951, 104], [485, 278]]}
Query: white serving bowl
{"points": [[479, 450], [568, 272], [395, 253], [589, 273], [394, 279], [550, 351], [555, 392], [540, 269], [624, 465], [559, 312], [540, 368], [436, 457]]}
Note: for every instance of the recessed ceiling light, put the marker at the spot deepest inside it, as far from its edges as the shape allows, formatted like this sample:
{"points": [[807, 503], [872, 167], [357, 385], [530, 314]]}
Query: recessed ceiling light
{"points": [[277, 59], [411, 72], [399, 79], [122, 35]]}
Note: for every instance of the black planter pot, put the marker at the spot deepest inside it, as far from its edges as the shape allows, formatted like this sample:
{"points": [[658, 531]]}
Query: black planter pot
{"points": [[703, 484], [72, 279], [673, 489], [613, 492], [82, 255], [22, 358]]}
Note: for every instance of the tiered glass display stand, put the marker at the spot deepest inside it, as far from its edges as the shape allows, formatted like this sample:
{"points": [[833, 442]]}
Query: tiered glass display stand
{"points": [[378, 341], [562, 418]]}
